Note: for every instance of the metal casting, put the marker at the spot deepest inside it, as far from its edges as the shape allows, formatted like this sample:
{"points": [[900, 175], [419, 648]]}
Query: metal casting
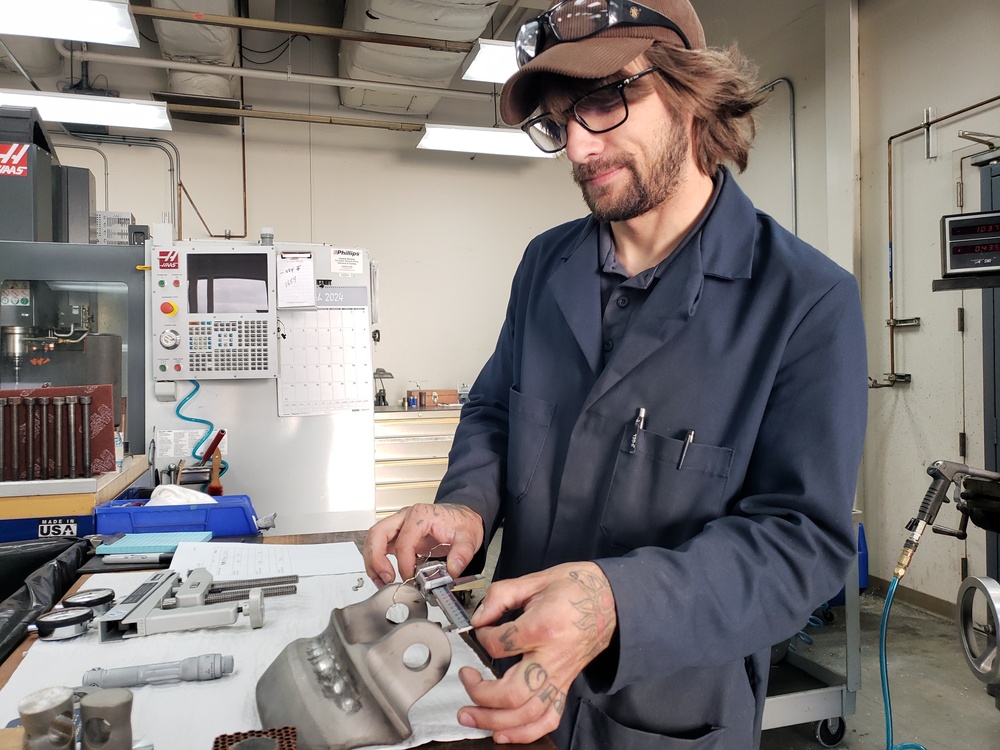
{"points": [[354, 683]]}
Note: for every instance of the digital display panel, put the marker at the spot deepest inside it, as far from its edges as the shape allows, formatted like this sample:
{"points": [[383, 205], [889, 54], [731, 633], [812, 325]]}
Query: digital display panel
{"points": [[970, 243], [975, 228], [227, 283]]}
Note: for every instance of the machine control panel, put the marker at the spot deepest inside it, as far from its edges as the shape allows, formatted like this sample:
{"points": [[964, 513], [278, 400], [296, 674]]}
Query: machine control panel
{"points": [[214, 311], [970, 244]]}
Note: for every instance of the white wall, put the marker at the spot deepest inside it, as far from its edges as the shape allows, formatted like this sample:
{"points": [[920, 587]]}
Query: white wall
{"points": [[917, 54]]}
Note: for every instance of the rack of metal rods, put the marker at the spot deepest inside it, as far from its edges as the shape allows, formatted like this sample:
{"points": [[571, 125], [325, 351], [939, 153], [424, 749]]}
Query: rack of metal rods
{"points": [[43, 437]]}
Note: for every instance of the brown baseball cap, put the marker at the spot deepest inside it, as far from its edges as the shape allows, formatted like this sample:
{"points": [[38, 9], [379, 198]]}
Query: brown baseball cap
{"points": [[597, 56]]}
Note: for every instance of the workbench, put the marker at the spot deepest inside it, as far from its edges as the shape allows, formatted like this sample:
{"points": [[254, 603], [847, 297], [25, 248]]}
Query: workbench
{"points": [[12, 738]]}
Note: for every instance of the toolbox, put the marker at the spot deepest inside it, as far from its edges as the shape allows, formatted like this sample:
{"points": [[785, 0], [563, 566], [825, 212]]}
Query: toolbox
{"points": [[232, 515]]}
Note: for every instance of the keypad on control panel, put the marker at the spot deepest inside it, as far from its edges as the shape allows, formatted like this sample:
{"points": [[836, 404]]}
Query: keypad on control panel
{"points": [[228, 346]]}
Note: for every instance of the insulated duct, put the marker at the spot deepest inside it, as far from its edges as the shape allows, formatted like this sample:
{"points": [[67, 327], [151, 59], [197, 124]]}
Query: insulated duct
{"points": [[196, 43], [453, 20]]}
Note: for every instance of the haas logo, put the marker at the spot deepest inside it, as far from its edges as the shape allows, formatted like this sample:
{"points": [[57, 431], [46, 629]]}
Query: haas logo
{"points": [[14, 159], [168, 260]]}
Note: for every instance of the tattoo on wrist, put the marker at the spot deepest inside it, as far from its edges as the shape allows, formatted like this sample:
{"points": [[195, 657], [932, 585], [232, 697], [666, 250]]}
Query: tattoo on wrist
{"points": [[598, 619], [554, 697], [535, 676]]}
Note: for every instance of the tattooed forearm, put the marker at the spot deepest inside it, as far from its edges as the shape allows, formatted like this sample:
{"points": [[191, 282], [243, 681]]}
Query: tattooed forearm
{"points": [[553, 696], [535, 676], [598, 619]]}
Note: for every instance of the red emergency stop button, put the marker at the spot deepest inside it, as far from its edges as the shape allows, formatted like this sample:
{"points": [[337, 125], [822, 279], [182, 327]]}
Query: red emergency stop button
{"points": [[177, 368], [168, 308]]}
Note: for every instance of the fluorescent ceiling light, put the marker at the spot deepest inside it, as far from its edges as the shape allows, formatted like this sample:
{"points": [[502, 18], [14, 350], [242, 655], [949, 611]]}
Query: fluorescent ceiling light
{"points": [[90, 110], [501, 141], [490, 60], [101, 21]]}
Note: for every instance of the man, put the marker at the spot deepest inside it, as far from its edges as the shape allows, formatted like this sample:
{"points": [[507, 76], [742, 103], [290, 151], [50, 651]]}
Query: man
{"points": [[671, 424]]}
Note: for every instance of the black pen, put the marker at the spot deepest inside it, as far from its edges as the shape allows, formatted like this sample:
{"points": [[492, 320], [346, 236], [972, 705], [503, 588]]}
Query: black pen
{"points": [[688, 439], [640, 420]]}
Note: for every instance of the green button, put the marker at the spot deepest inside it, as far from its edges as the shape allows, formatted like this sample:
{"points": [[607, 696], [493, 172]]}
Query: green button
{"points": [[163, 368], [161, 282]]}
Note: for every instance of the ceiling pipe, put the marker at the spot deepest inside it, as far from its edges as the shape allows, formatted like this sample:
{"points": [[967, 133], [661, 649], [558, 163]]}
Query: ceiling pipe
{"points": [[270, 75], [404, 127], [281, 27]]}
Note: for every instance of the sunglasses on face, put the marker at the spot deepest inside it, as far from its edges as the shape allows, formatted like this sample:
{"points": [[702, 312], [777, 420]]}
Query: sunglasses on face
{"points": [[600, 111], [577, 19]]}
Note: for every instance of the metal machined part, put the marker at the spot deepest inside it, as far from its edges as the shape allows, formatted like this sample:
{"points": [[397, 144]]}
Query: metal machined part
{"points": [[979, 644], [43, 405], [57, 402], [85, 423], [47, 718], [29, 436], [106, 719], [71, 427], [3, 431], [354, 683], [15, 444]]}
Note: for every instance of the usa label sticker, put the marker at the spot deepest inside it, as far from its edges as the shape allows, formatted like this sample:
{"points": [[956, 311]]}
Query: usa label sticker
{"points": [[169, 260], [14, 159], [56, 527]]}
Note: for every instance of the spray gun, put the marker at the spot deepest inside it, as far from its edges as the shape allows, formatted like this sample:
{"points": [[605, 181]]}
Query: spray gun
{"points": [[944, 474]]}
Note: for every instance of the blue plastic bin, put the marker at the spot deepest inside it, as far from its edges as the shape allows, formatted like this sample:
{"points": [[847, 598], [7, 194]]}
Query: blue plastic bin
{"points": [[232, 515]]}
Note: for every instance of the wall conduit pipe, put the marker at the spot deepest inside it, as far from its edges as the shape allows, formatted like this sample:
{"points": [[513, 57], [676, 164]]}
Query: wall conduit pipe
{"points": [[103, 156], [148, 142], [923, 127], [791, 138]]}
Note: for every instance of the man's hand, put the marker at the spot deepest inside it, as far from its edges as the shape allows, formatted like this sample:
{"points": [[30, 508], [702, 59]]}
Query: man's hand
{"points": [[569, 617], [415, 531]]}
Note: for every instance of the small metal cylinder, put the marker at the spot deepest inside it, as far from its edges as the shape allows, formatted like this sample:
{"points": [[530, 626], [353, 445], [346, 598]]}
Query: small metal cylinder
{"points": [[71, 429], [15, 444], [57, 402], [47, 718], [85, 419], [29, 436], [3, 431], [43, 405]]}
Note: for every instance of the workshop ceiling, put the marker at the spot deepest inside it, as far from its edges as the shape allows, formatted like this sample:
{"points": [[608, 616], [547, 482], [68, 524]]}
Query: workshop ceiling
{"points": [[405, 78]]}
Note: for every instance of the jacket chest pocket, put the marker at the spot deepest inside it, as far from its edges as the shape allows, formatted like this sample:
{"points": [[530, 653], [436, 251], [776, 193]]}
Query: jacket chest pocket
{"points": [[529, 420], [657, 499]]}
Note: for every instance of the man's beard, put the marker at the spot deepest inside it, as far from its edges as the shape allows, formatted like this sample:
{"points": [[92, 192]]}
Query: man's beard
{"points": [[639, 196]]}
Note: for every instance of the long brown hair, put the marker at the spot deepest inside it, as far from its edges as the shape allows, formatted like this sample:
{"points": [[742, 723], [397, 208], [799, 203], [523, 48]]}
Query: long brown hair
{"points": [[718, 87]]}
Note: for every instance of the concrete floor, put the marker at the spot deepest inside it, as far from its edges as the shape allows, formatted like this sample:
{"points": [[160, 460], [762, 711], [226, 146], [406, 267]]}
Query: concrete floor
{"points": [[936, 700]]}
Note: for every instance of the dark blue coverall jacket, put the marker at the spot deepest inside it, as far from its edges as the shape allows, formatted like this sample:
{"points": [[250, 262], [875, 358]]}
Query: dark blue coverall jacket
{"points": [[755, 341]]}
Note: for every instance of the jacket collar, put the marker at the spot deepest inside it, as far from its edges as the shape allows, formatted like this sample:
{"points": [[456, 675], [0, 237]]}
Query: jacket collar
{"points": [[723, 249]]}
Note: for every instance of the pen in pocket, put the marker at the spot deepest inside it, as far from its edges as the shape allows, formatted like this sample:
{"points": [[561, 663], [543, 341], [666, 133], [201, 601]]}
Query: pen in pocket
{"points": [[640, 420], [688, 439]]}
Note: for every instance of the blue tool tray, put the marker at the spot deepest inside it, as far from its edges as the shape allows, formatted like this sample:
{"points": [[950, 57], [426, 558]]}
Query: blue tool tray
{"points": [[232, 515]]}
